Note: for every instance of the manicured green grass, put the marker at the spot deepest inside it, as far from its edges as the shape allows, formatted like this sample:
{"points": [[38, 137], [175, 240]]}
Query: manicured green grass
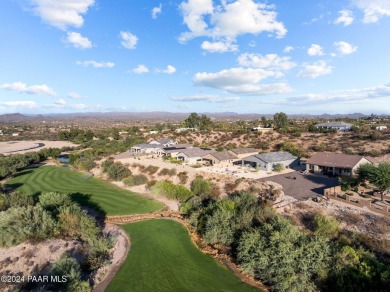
{"points": [[162, 257], [96, 193]]}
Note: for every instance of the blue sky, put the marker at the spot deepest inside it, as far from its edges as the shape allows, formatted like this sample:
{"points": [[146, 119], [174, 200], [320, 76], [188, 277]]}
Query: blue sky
{"points": [[244, 56]]}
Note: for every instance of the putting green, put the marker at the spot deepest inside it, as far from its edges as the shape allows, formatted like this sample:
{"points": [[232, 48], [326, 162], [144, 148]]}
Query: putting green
{"points": [[87, 190], [162, 257]]}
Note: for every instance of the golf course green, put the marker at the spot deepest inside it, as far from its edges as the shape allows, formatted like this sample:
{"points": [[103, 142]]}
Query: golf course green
{"points": [[87, 190], [162, 257]]}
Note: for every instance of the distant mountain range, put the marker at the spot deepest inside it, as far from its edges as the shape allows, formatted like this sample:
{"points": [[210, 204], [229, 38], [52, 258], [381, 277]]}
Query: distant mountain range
{"points": [[152, 116]]}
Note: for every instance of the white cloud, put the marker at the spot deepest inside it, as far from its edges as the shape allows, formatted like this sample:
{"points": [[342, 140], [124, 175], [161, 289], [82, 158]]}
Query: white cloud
{"points": [[219, 47], [206, 97], [95, 64], [373, 9], [288, 49], [241, 81], [169, 70], [315, 50], [315, 70], [346, 17], [128, 40], [345, 48], [271, 61], [78, 41], [79, 106], [351, 96], [156, 11], [60, 13], [60, 102], [19, 103], [32, 89], [228, 20], [141, 69], [75, 95]]}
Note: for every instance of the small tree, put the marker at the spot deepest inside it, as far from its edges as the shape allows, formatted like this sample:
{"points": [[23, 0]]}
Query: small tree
{"points": [[279, 167], [280, 120], [378, 175]]}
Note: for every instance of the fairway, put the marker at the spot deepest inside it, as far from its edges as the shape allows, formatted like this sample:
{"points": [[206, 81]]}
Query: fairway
{"points": [[162, 257], [90, 191]]}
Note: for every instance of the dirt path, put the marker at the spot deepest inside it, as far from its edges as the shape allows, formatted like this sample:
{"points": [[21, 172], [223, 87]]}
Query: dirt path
{"points": [[121, 250], [173, 215]]}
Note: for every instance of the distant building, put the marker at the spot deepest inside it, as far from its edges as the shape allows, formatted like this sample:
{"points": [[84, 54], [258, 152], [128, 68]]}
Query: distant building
{"points": [[260, 129], [334, 163], [15, 134], [381, 128], [179, 130], [339, 126], [267, 161], [164, 142]]}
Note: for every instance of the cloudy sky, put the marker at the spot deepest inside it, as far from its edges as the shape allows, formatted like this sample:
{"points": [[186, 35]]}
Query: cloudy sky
{"points": [[246, 56]]}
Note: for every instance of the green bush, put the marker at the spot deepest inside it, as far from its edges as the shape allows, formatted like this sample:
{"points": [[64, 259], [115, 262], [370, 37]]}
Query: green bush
{"points": [[52, 201], [151, 169], [201, 187], [117, 171], [326, 226], [19, 224], [136, 180], [183, 177], [279, 167], [171, 191], [3, 202], [17, 199]]}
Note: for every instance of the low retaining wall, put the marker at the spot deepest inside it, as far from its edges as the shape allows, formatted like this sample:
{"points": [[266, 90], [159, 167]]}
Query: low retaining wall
{"points": [[335, 194]]}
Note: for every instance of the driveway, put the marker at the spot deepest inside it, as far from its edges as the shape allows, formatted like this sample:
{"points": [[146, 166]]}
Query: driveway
{"points": [[305, 185]]}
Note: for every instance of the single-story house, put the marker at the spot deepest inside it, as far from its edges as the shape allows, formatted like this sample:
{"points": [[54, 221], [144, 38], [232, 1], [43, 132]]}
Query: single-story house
{"points": [[166, 142], [146, 148], [174, 150], [335, 163], [193, 155], [339, 126], [243, 152], [267, 161], [220, 159]]}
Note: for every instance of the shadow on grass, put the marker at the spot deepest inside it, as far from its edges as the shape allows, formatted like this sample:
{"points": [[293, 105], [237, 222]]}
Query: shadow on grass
{"points": [[23, 172], [86, 201], [13, 186]]}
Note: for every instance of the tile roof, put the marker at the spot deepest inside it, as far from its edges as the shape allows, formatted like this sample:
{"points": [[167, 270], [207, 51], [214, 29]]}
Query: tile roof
{"points": [[164, 141], [221, 156], [244, 150], [334, 160], [195, 152], [147, 146], [271, 157]]}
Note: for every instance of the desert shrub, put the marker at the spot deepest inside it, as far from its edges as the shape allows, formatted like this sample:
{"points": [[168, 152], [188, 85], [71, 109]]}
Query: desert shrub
{"points": [[279, 167], [172, 172], [118, 171], [51, 201], [85, 163], [171, 191], [325, 226], [164, 171], [151, 169], [150, 183], [69, 267], [201, 187], [3, 202], [17, 199], [107, 164], [183, 177], [196, 165], [136, 180], [19, 224]]}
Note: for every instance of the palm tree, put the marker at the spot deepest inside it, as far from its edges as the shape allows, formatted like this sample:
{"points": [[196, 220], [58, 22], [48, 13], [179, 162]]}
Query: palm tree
{"points": [[378, 175]]}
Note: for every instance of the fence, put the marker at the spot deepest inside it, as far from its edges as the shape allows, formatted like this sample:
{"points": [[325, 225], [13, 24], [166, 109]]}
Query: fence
{"points": [[335, 193]]}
